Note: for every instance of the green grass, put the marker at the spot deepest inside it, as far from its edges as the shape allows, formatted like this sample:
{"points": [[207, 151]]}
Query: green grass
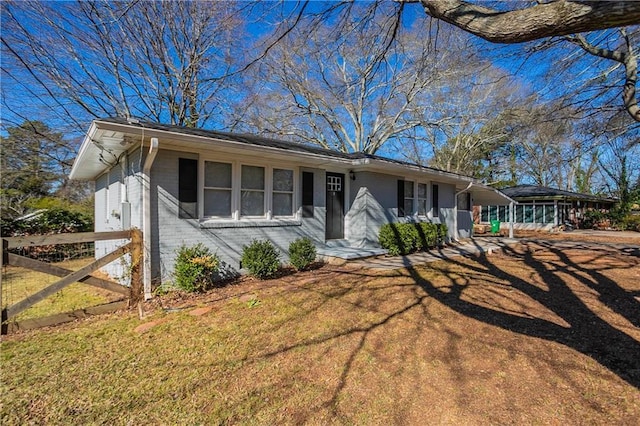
{"points": [[321, 347], [18, 283]]}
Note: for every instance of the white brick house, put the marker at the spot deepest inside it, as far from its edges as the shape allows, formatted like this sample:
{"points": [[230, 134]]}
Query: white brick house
{"points": [[184, 186]]}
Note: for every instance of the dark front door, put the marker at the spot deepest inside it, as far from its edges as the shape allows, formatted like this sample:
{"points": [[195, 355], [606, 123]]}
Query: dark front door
{"points": [[335, 206]]}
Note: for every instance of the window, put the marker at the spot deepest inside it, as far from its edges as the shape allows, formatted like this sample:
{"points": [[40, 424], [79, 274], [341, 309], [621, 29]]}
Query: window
{"points": [[539, 214], [408, 197], [528, 213], [484, 214], [549, 213], [434, 201], [241, 191], [519, 214], [282, 199], [464, 201], [217, 189], [503, 213], [422, 199], [252, 191], [405, 198], [334, 183]]}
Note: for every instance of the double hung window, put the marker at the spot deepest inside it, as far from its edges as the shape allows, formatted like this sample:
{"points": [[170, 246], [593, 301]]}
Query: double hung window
{"points": [[408, 197], [252, 191], [217, 189], [282, 200], [422, 199], [236, 191]]}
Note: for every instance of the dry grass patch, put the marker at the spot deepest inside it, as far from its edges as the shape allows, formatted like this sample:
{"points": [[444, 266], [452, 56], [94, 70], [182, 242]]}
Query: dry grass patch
{"points": [[537, 335]]}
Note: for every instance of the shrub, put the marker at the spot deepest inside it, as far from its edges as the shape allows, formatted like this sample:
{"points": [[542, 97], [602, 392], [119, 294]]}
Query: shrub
{"points": [[302, 253], [442, 233], [53, 221], [592, 218], [195, 268], [632, 223], [389, 238], [405, 238], [261, 259]]}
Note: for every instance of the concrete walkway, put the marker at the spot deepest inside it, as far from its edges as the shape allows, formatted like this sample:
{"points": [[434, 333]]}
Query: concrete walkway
{"points": [[469, 247]]}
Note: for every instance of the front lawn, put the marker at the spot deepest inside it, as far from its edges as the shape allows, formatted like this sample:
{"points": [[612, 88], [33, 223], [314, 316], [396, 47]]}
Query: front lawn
{"points": [[545, 334]]}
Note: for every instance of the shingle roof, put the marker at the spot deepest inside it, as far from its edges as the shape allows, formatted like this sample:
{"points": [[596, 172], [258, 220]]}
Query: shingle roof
{"points": [[263, 141], [533, 191]]}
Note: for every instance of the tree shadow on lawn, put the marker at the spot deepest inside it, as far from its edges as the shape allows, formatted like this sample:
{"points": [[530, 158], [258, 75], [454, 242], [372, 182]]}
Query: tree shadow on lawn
{"points": [[586, 332], [559, 285]]}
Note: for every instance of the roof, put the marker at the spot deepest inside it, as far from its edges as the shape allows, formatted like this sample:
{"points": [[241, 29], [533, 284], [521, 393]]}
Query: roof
{"points": [[521, 192], [107, 139], [260, 141]]}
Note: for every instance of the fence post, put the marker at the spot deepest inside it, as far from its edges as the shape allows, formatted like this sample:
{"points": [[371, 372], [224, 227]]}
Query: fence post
{"points": [[4, 259], [136, 267]]}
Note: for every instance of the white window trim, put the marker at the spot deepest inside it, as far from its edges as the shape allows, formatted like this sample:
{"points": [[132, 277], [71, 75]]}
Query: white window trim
{"points": [[236, 191], [414, 208]]}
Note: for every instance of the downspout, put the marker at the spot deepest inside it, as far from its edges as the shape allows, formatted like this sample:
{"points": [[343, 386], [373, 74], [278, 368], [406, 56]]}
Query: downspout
{"points": [[146, 216], [455, 210]]}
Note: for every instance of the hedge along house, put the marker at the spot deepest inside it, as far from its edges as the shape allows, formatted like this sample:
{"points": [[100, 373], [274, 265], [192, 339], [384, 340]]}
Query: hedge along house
{"points": [[185, 186], [544, 208]]}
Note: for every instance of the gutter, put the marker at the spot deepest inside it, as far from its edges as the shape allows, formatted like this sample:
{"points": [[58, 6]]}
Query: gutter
{"points": [[146, 216]]}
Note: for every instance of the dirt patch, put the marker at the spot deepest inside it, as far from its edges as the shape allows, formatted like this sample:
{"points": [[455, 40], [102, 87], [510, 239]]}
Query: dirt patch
{"points": [[605, 237]]}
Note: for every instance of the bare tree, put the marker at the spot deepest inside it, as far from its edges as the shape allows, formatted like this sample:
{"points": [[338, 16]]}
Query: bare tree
{"points": [[162, 61], [551, 19], [474, 104], [354, 89]]}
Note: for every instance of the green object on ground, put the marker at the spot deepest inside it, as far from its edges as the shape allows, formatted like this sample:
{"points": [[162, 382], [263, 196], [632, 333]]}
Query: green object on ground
{"points": [[495, 226]]}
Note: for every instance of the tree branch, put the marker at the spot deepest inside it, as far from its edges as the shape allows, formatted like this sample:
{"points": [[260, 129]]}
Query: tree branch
{"points": [[534, 22], [630, 62]]}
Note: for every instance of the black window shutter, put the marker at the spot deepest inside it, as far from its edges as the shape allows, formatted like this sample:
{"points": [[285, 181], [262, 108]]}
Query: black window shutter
{"points": [[187, 188], [435, 201], [307, 194], [401, 198]]}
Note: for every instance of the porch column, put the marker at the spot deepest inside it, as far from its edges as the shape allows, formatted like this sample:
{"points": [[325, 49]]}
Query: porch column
{"points": [[511, 217]]}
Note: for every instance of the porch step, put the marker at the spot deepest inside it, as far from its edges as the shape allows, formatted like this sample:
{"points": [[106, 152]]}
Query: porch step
{"points": [[348, 253], [337, 243]]}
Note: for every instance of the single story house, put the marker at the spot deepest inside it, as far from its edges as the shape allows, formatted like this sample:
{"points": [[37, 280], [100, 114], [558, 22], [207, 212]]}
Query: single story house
{"points": [[186, 185], [542, 208]]}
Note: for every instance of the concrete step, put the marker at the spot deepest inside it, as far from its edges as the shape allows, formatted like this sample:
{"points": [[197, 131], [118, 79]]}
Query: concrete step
{"points": [[337, 243]]}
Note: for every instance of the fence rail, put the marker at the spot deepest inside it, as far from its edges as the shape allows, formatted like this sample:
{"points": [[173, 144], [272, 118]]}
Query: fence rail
{"points": [[67, 277]]}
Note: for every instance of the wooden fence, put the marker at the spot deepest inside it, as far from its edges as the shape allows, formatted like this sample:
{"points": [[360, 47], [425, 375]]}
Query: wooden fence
{"points": [[133, 293]]}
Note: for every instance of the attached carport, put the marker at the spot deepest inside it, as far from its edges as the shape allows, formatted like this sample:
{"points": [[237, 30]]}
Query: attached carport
{"points": [[485, 195]]}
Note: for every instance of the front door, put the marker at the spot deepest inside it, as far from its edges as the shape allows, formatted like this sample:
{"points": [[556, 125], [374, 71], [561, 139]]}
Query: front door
{"points": [[335, 206]]}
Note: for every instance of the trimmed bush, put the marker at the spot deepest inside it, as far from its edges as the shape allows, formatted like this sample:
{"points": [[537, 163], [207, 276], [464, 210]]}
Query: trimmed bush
{"points": [[442, 233], [195, 268], [302, 253], [405, 238], [261, 259]]}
